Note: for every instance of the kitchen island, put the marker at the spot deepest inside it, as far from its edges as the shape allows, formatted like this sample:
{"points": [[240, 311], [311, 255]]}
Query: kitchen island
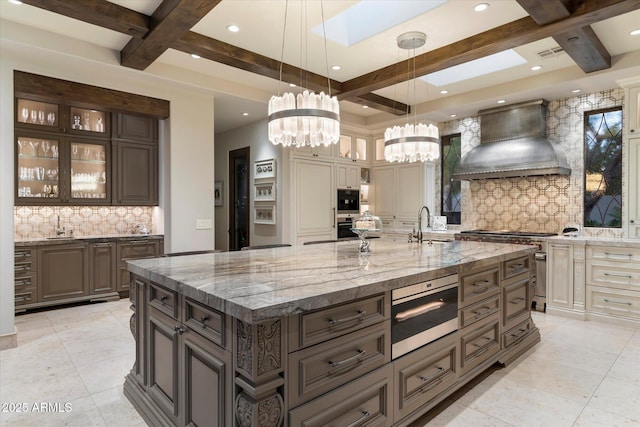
{"points": [[302, 335]]}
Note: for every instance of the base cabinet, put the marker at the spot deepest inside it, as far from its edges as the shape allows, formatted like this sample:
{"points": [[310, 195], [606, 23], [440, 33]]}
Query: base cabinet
{"points": [[25, 276], [129, 250], [64, 272], [102, 267]]}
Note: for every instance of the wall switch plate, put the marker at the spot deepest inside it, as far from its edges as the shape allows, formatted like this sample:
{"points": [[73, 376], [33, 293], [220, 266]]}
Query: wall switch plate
{"points": [[204, 224]]}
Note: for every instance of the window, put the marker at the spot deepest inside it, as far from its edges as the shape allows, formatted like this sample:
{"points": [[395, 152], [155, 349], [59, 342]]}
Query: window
{"points": [[603, 168], [451, 193]]}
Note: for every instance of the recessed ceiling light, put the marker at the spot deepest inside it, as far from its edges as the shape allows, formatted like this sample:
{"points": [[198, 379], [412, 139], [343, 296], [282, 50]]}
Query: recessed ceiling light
{"points": [[233, 28], [365, 106], [444, 91], [635, 32], [481, 7], [245, 114], [335, 67], [292, 85], [453, 115], [15, 2], [576, 91], [536, 68], [502, 101], [195, 55]]}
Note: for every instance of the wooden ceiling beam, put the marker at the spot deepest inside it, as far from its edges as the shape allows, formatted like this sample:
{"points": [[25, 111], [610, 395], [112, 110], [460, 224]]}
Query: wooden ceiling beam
{"points": [[581, 44], [98, 12], [508, 36], [170, 21]]}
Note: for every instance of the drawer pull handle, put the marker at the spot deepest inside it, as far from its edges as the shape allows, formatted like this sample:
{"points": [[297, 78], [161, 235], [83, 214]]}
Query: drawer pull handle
{"points": [[517, 300], [102, 245], [22, 282], [22, 298], [625, 276], [519, 265], [21, 268], [359, 316], [180, 329], [425, 379], [348, 359], [162, 299], [520, 334], [203, 320], [480, 313], [614, 256], [22, 254], [484, 288], [364, 415], [617, 302], [479, 352]]}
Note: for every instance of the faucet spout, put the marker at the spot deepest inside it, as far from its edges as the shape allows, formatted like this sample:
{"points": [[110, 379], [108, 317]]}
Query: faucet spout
{"points": [[419, 234]]}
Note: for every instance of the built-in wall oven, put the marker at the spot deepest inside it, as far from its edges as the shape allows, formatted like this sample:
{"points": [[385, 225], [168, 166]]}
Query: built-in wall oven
{"points": [[344, 226], [348, 201], [422, 313]]}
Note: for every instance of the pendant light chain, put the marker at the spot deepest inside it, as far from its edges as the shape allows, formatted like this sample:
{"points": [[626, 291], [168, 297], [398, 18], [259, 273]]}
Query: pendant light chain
{"points": [[324, 36]]}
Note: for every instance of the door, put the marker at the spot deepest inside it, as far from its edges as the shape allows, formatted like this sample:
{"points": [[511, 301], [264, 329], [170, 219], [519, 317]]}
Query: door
{"points": [[239, 198]]}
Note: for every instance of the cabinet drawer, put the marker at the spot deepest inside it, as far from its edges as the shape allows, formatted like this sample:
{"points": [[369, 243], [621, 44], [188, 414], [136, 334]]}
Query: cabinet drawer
{"points": [[323, 367], [516, 266], [481, 343], [479, 310], [163, 299], [24, 254], [25, 296], [516, 297], [136, 249], [25, 281], [205, 321], [615, 302], [423, 374], [476, 286], [321, 325], [516, 334], [620, 275], [24, 267], [614, 254], [363, 402]]}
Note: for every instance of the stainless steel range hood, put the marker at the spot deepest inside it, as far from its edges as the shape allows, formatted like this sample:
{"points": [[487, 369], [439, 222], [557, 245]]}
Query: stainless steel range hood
{"points": [[513, 144]]}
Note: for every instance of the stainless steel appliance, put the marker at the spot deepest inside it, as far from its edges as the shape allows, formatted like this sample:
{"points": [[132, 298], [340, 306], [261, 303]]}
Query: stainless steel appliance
{"points": [[422, 313], [538, 239], [344, 226], [348, 201]]}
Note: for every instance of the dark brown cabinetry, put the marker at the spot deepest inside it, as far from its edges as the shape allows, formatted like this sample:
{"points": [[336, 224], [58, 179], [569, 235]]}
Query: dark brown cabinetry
{"points": [[102, 267], [64, 272], [135, 173], [133, 249], [26, 276]]}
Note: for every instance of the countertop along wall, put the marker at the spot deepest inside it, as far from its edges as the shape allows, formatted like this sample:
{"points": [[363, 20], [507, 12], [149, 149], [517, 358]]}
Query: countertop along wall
{"points": [[186, 139]]}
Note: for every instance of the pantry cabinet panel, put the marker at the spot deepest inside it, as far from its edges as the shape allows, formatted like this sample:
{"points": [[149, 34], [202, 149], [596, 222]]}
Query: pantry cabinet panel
{"points": [[135, 173], [136, 128], [103, 267]]}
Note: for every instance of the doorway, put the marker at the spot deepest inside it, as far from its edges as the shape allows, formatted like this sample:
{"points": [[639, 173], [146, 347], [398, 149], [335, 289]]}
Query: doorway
{"points": [[239, 198]]}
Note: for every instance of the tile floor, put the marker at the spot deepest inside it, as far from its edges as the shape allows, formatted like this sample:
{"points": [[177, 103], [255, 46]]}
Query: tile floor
{"points": [[75, 360]]}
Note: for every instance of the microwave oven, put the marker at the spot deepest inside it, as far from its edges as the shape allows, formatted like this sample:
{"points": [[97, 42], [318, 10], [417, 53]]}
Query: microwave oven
{"points": [[348, 201]]}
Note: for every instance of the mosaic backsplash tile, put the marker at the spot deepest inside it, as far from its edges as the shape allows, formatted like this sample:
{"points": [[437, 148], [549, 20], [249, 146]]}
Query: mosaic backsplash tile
{"points": [[547, 203], [34, 222]]}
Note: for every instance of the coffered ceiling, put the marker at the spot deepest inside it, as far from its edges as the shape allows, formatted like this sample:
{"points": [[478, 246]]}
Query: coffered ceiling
{"points": [[582, 45]]}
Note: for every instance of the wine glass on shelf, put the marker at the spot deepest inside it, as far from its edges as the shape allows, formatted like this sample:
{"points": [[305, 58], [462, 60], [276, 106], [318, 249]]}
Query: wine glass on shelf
{"points": [[34, 147], [46, 146], [54, 151], [25, 114], [34, 116], [51, 118], [74, 151], [21, 144], [41, 117]]}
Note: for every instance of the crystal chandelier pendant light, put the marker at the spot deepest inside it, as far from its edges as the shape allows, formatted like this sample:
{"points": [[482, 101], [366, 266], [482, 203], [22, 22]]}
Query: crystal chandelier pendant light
{"points": [[308, 119], [413, 142]]}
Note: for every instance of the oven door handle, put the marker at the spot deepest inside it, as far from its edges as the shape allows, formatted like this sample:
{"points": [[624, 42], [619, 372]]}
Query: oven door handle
{"points": [[414, 312]]}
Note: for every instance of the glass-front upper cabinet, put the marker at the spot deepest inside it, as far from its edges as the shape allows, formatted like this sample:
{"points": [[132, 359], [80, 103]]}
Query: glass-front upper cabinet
{"points": [[88, 173], [352, 148], [37, 115], [38, 168], [61, 170], [87, 120]]}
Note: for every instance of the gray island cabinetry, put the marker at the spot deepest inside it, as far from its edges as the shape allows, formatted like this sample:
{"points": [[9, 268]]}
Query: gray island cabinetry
{"points": [[307, 335]]}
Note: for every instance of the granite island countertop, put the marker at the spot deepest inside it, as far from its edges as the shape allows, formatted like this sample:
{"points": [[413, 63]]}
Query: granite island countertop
{"points": [[264, 284]]}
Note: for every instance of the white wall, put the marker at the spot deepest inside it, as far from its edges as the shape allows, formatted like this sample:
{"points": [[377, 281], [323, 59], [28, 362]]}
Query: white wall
{"points": [[255, 137], [187, 138]]}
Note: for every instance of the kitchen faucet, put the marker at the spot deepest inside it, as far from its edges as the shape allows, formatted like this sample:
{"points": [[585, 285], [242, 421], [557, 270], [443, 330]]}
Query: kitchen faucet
{"points": [[418, 235], [59, 231]]}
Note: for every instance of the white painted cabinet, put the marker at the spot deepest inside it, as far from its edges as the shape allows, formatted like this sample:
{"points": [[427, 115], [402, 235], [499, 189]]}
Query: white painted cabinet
{"points": [[347, 176], [320, 152], [566, 276], [633, 121], [398, 193], [352, 148], [634, 187], [314, 200]]}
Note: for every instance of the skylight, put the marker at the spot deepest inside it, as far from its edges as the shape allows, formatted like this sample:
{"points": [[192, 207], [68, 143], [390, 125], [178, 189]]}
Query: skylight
{"points": [[478, 67], [370, 17]]}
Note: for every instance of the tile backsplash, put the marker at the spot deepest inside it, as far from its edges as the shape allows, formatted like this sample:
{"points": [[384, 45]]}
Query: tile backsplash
{"points": [[33, 222], [545, 203]]}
